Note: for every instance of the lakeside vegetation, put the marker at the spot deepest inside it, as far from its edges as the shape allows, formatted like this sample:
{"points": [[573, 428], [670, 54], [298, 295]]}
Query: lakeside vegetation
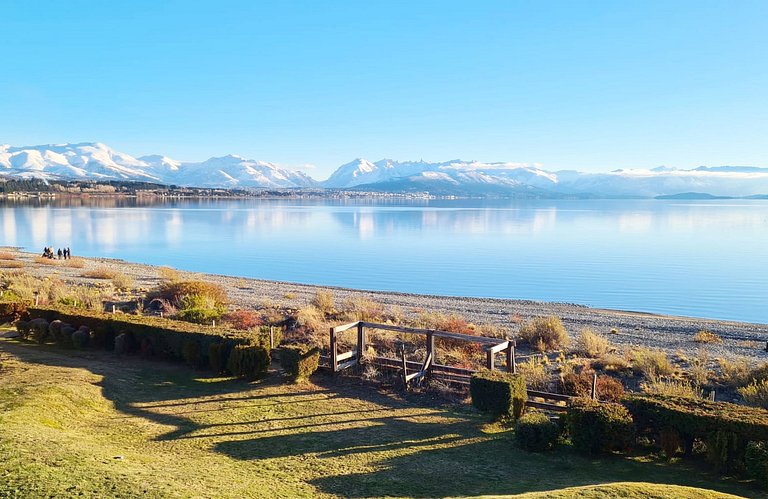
{"points": [[146, 324]]}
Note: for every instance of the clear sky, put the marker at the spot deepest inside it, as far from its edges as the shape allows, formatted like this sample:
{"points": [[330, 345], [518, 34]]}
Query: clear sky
{"points": [[573, 84]]}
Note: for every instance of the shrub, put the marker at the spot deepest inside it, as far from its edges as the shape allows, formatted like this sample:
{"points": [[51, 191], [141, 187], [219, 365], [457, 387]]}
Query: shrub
{"points": [[599, 427], [670, 442], [701, 419], [705, 336], [191, 352], [299, 361], [7, 255], [176, 291], [651, 363], [324, 301], [218, 354], [248, 361], [735, 371], [535, 432], [544, 333], [756, 461], [756, 393], [500, 394], [592, 344], [10, 264], [310, 318], [580, 385], [121, 344], [11, 311], [535, 373], [360, 308], [725, 451], [122, 281], [611, 363], [80, 339], [75, 263], [243, 320], [169, 274], [24, 328], [39, 330]]}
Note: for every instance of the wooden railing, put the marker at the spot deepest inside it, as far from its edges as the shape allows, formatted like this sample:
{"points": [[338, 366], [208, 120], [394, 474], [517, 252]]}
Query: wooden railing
{"points": [[418, 370]]}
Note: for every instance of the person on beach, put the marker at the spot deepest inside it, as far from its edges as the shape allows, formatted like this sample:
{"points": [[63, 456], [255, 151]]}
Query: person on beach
{"points": [[69, 253], [60, 253]]}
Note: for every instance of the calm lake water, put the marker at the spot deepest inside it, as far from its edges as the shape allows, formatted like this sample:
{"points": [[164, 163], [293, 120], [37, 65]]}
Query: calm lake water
{"points": [[696, 258]]}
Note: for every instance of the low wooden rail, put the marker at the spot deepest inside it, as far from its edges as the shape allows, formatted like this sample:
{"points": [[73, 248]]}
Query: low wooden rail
{"points": [[419, 370]]}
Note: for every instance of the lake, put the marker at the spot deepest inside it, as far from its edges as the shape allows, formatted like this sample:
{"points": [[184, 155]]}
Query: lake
{"points": [[695, 258]]}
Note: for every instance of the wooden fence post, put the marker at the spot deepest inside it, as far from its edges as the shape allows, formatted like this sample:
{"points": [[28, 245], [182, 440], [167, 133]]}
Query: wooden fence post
{"points": [[489, 358], [430, 349], [712, 395], [334, 353], [405, 367], [594, 386], [361, 347], [511, 361], [271, 337]]}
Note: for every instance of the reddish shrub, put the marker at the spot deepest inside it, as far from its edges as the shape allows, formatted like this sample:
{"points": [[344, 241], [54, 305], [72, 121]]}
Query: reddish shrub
{"points": [[243, 320], [580, 385]]}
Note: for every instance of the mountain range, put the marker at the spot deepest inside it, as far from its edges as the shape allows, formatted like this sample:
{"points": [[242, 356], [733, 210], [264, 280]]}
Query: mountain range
{"points": [[96, 161]]}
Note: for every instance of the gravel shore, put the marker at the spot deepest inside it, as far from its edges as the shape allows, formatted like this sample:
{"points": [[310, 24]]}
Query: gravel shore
{"points": [[669, 333]]}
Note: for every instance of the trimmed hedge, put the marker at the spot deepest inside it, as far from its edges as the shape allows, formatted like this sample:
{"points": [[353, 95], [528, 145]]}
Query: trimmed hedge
{"points": [[726, 429], [757, 461], [153, 336], [535, 432], [599, 427], [501, 394], [250, 362], [299, 361]]}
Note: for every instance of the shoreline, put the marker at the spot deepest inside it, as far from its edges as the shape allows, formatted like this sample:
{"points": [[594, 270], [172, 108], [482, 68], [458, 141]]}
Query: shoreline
{"points": [[668, 332]]}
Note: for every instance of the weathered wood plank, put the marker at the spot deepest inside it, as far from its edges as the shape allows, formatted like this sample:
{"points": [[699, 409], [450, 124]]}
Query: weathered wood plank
{"points": [[344, 365], [438, 334], [345, 355], [344, 327], [546, 407], [549, 396]]}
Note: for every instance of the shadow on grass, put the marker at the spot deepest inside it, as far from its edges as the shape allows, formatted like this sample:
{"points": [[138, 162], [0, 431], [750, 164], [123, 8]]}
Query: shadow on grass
{"points": [[350, 440]]}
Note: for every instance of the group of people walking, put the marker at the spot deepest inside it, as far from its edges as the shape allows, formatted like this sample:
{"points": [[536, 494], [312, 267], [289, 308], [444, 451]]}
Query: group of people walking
{"points": [[61, 253]]}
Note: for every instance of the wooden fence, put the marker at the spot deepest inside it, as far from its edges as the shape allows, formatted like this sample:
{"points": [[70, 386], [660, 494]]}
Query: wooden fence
{"points": [[411, 371]]}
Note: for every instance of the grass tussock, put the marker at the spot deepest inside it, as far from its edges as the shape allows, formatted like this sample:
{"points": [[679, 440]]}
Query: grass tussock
{"points": [[168, 274], [735, 371], [672, 388], [324, 301], [706, 336], [361, 308], [544, 333], [651, 363], [11, 264], [755, 393], [100, 273], [7, 255], [591, 344], [41, 260], [123, 281], [535, 372], [74, 262]]}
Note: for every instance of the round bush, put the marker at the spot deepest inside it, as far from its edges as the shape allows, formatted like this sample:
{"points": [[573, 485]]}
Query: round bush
{"points": [[535, 432], [544, 333], [247, 361], [757, 461], [599, 427], [80, 338], [39, 330], [299, 361]]}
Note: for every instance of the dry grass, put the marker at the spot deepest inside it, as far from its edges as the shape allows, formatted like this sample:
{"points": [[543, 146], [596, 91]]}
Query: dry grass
{"points": [[41, 260], [611, 362], [324, 301], [122, 281], [698, 370], [360, 308], [7, 255], [735, 371], [535, 373], [651, 363], [672, 388], [544, 333], [100, 273], [168, 274], [11, 264], [74, 262], [591, 344], [705, 336], [755, 393]]}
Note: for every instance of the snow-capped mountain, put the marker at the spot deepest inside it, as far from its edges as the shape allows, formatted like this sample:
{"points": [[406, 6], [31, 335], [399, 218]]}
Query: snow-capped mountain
{"points": [[96, 161], [475, 178]]}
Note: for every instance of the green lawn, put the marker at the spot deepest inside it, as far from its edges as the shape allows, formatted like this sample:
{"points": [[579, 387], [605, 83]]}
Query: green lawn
{"points": [[88, 423]]}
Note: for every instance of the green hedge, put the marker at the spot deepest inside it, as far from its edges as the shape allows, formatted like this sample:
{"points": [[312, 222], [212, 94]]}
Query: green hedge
{"points": [[154, 336], [599, 427], [501, 394], [250, 362], [757, 462], [299, 361], [726, 429], [535, 432]]}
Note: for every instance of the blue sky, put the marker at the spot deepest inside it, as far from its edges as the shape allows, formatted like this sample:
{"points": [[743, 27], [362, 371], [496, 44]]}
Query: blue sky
{"points": [[584, 85]]}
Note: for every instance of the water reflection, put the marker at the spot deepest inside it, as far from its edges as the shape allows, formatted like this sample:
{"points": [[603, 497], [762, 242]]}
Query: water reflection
{"points": [[689, 258]]}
